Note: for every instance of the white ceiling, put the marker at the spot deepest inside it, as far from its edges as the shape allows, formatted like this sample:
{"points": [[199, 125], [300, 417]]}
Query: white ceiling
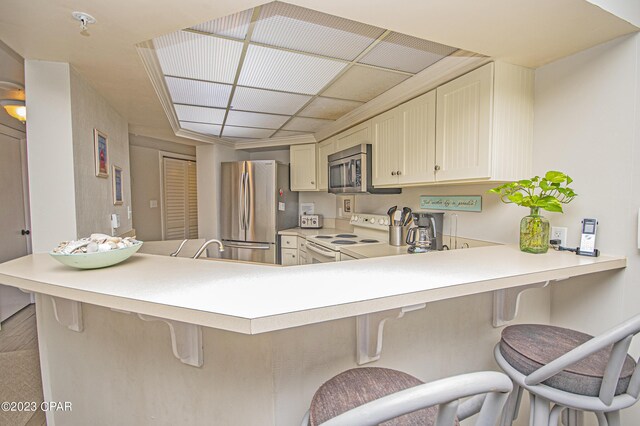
{"points": [[317, 67], [524, 32]]}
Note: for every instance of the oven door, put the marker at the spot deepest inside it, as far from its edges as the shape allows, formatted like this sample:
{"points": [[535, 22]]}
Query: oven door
{"points": [[318, 254], [345, 175]]}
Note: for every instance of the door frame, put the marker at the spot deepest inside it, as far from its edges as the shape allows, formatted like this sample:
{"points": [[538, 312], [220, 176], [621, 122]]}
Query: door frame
{"points": [[161, 156]]}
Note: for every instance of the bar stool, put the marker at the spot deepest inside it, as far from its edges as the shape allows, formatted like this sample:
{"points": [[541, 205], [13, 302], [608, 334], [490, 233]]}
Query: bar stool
{"points": [[370, 396], [570, 370]]}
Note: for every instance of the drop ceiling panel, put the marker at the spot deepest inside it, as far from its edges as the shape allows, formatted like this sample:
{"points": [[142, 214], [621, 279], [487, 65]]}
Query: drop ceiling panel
{"points": [[406, 53], [268, 68], [306, 30], [328, 108], [207, 129], [202, 57], [201, 93], [199, 114], [363, 83], [246, 132], [303, 124], [234, 26], [249, 99], [254, 119]]}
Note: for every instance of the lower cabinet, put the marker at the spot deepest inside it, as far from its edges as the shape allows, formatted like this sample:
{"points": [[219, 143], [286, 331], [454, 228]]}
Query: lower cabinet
{"points": [[293, 250]]}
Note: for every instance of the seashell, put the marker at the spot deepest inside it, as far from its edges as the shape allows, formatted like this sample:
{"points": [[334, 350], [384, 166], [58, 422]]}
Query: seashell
{"points": [[97, 237], [92, 247], [74, 245], [104, 247], [121, 245]]}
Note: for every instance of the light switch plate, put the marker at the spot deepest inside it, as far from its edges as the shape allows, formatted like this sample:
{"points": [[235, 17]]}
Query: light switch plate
{"points": [[153, 204]]}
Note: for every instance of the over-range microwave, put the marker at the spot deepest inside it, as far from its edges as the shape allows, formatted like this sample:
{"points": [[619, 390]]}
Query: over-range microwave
{"points": [[350, 172]]}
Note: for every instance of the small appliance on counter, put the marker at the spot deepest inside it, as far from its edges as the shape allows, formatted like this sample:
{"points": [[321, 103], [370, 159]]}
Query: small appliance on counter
{"points": [[426, 235], [311, 221]]}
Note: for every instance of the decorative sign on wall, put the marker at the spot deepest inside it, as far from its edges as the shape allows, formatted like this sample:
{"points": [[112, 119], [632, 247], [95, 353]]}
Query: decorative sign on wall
{"points": [[461, 203]]}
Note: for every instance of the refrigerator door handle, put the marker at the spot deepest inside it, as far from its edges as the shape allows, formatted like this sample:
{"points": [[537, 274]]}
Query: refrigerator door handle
{"points": [[241, 209], [247, 206], [248, 246]]}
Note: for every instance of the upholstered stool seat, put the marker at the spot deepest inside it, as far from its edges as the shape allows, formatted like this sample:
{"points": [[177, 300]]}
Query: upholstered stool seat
{"points": [[358, 386], [527, 347], [567, 372], [379, 396]]}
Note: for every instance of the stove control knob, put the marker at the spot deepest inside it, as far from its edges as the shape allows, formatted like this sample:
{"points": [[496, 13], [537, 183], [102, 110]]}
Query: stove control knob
{"points": [[354, 218], [386, 221], [381, 221]]}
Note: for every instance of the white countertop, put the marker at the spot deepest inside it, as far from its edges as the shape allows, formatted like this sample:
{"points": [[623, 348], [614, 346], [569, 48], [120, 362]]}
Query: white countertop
{"points": [[253, 299], [380, 250]]}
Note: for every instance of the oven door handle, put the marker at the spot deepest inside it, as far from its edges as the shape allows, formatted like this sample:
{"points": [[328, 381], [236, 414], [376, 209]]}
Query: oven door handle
{"points": [[324, 252]]}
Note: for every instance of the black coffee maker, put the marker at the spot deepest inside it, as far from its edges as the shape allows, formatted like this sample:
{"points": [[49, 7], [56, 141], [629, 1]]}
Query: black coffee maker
{"points": [[426, 235]]}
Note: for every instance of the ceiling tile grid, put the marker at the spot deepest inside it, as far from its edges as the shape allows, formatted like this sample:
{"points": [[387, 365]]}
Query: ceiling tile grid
{"points": [[200, 93], [281, 70], [198, 56], [234, 26]]}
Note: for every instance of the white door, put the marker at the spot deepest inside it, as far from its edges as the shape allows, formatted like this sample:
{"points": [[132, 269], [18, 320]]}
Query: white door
{"points": [[180, 199], [12, 219], [463, 130]]}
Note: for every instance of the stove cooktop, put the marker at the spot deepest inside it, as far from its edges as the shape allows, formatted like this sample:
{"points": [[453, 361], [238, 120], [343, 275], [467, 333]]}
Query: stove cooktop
{"points": [[335, 241]]}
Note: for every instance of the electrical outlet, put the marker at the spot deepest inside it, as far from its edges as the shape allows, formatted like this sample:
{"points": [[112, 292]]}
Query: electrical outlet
{"points": [[559, 233]]}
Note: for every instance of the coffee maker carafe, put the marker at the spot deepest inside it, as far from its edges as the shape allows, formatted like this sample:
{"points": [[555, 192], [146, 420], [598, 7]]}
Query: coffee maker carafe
{"points": [[427, 234]]}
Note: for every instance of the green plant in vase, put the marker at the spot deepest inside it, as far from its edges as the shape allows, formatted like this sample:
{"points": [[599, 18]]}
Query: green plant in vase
{"points": [[548, 193]]}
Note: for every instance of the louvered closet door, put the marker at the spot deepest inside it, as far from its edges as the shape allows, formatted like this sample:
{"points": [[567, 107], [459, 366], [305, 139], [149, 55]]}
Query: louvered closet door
{"points": [[180, 199]]}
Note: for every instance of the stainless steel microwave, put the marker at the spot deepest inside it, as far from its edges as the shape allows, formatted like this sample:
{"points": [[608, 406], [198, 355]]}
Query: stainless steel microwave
{"points": [[350, 172]]}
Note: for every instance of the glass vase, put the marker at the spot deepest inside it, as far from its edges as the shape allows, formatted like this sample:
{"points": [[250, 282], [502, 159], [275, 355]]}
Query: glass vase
{"points": [[534, 232]]}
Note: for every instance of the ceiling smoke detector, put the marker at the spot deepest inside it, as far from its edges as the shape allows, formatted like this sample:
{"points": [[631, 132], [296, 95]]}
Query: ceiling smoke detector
{"points": [[85, 19]]}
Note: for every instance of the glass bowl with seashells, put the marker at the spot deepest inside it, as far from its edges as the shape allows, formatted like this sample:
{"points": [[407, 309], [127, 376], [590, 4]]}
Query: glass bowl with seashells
{"points": [[96, 251]]}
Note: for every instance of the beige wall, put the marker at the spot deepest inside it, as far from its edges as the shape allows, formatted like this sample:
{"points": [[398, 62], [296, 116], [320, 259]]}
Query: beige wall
{"points": [[144, 155], [587, 124], [94, 195]]}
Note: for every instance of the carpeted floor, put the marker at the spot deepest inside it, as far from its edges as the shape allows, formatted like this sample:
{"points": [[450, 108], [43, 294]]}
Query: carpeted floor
{"points": [[20, 369]]}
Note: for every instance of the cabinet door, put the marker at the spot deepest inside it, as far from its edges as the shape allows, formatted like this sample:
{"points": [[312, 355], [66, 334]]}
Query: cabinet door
{"points": [[355, 136], [418, 120], [325, 148], [463, 129], [387, 148], [289, 257], [303, 167]]}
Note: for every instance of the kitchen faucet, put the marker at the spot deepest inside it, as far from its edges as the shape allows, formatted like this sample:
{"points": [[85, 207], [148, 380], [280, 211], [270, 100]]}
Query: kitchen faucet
{"points": [[205, 245], [175, 253]]}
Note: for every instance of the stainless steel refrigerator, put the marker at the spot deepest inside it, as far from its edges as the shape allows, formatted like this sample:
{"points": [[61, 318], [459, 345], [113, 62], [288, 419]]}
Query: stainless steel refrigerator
{"points": [[256, 203]]}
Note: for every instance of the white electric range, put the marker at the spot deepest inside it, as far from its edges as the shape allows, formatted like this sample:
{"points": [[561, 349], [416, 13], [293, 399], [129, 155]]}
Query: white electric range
{"points": [[367, 229]]}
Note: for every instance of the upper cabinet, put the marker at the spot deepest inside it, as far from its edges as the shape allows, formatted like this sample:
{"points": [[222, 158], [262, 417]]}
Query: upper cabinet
{"points": [[478, 127], [303, 167], [354, 136], [325, 148], [484, 126], [404, 143]]}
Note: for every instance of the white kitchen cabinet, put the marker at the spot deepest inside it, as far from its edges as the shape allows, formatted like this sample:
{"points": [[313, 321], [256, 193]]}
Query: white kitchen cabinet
{"points": [[303, 167], [354, 136], [404, 143], [289, 257], [293, 250], [325, 148], [484, 127]]}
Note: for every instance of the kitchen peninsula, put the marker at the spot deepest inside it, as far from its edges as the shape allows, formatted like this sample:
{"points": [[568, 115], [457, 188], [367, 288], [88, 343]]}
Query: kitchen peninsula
{"points": [[265, 335]]}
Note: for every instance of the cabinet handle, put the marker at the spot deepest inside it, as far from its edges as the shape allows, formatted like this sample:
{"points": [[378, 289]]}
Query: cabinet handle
{"points": [[437, 167], [25, 232], [399, 173], [313, 183], [393, 173]]}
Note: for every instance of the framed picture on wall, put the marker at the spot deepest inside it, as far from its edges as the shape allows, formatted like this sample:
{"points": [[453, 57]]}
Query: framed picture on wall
{"points": [[117, 186], [101, 153]]}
